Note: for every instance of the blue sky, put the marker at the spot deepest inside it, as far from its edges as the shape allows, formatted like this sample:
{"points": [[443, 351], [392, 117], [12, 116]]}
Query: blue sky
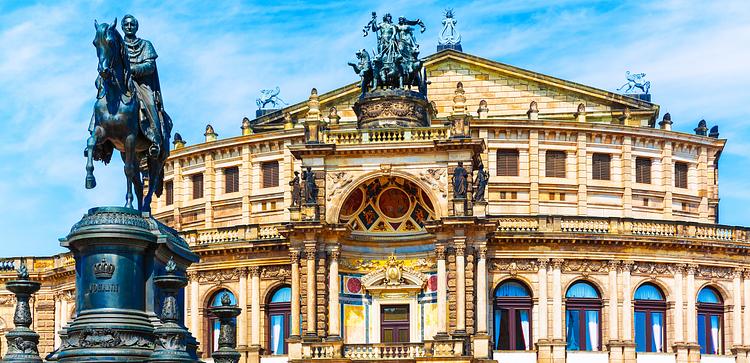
{"points": [[215, 56]]}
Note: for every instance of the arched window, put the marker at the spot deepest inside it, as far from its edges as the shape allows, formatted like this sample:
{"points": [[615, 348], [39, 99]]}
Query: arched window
{"points": [[213, 322], [649, 314], [710, 321], [512, 316], [278, 316], [583, 317]]}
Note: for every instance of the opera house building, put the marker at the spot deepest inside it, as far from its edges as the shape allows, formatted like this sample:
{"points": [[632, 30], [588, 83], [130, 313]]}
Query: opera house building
{"points": [[501, 215]]}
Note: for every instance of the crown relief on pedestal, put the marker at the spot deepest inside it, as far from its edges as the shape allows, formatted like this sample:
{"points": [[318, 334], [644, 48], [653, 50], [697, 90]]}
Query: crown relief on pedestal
{"points": [[104, 270]]}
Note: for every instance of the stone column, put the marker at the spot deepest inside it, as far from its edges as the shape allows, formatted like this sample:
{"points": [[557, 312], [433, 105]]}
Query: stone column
{"points": [[64, 308], [334, 309], [543, 303], [295, 308], [481, 338], [613, 311], [242, 319], [691, 311], [679, 305], [194, 302], [58, 318], [627, 312], [442, 293], [737, 309], [311, 331], [557, 313], [255, 306], [460, 249]]}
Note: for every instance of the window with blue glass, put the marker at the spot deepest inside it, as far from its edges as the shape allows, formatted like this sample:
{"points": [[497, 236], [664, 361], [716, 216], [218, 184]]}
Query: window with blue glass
{"points": [[710, 321], [278, 316], [649, 313], [583, 311], [512, 316], [213, 322]]}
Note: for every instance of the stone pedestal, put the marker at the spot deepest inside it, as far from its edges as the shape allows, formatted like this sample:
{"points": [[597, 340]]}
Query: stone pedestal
{"points": [[480, 209], [387, 108], [310, 212], [481, 343], [621, 351], [459, 207], [117, 251], [22, 340], [294, 214], [295, 347], [551, 351], [687, 352]]}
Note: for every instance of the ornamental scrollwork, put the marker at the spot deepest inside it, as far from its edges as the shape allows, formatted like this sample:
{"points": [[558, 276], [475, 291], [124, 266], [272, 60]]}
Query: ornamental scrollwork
{"points": [[513, 266], [715, 272], [218, 276], [436, 178], [336, 183], [279, 273], [652, 269], [585, 266]]}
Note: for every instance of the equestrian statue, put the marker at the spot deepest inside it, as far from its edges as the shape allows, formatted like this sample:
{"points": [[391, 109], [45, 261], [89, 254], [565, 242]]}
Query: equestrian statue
{"points": [[128, 113]]}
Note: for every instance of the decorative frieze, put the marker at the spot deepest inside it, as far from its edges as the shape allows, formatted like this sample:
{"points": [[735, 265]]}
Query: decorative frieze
{"points": [[513, 266], [586, 267], [366, 266], [279, 273], [652, 269], [218, 275], [437, 179], [336, 182]]}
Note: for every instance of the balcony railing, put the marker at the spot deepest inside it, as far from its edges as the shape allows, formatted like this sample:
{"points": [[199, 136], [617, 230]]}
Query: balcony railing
{"points": [[383, 351], [368, 136], [231, 234]]}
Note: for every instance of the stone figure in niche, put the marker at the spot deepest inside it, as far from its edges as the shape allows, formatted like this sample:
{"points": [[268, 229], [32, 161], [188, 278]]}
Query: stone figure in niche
{"points": [[460, 181], [480, 184], [311, 189], [296, 192]]}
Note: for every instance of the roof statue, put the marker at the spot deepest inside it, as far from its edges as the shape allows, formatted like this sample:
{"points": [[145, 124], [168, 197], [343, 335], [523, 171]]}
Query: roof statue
{"points": [[129, 112], [269, 97], [449, 37], [391, 71], [636, 81]]}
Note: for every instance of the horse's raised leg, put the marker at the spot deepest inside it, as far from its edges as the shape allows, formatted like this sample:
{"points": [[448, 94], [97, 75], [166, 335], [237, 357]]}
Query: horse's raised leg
{"points": [[89, 153]]}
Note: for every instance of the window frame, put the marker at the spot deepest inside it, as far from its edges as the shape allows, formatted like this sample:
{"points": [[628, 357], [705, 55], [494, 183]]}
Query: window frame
{"points": [[168, 192], [598, 171], [231, 179], [648, 307], [552, 169], [708, 310], [197, 187], [514, 304], [508, 156], [641, 176], [266, 183], [582, 305], [278, 308], [681, 176]]}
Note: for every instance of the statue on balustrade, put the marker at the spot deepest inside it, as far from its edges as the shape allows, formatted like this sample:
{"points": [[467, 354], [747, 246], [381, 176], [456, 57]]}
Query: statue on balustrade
{"points": [[460, 181], [296, 192], [311, 189], [480, 184]]}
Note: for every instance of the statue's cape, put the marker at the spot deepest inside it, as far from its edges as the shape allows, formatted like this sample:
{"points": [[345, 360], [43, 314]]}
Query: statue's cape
{"points": [[141, 51]]}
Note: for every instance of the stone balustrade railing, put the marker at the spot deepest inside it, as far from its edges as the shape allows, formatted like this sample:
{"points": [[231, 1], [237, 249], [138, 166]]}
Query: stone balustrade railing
{"points": [[620, 226], [365, 136], [230, 234], [384, 351]]}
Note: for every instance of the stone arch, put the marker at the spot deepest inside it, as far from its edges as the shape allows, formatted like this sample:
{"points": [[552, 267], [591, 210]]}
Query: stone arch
{"points": [[333, 214], [589, 279], [518, 278], [271, 289], [726, 297], [668, 295]]}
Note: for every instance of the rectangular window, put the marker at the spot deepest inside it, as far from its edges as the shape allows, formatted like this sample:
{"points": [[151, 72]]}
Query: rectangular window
{"points": [[643, 170], [555, 164], [680, 175], [197, 180], [232, 179], [600, 166], [270, 172], [169, 192], [507, 162]]}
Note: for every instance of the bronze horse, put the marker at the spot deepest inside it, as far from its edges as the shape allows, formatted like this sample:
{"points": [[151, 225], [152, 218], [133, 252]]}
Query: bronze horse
{"points": [[116, 121]]}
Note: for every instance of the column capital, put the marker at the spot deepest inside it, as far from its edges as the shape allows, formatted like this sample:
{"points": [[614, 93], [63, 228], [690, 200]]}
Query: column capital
{"points": [[613, 265], [542, 263], [310, 252], [557, 263], [440, 252], [254, 271], [192, 275], [241, 271], [680, 268], [746, 274], [738, 272], [334, 254], [460, 248], [483, 252], [294, 256], [627, 266]]}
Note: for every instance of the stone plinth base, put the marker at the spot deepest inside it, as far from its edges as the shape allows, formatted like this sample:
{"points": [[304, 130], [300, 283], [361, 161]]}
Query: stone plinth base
{"points": [[310, 212], [551, 351], [481, 343], [22, 346], [480, 209], [741, 353], [295, 348], [388, 108], [687, 352], [294, 214], [459, 207], [621, 351]]}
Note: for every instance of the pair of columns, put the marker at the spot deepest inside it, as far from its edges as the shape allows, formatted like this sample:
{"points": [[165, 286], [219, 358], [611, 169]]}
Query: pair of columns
{"points": [[442, 289], [334, 309]]}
